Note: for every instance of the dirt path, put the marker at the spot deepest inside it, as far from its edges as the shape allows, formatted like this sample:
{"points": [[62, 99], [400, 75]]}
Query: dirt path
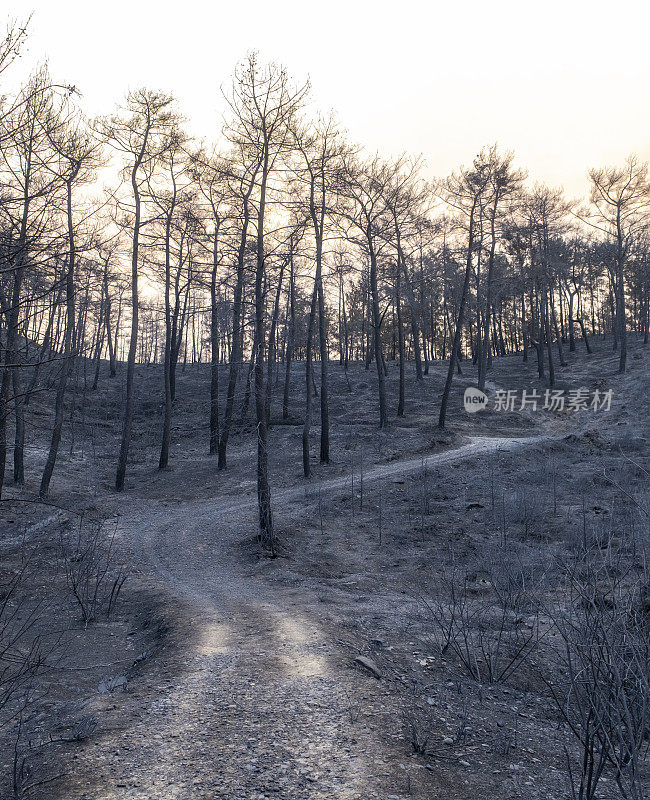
{"points": [[261, 704]]}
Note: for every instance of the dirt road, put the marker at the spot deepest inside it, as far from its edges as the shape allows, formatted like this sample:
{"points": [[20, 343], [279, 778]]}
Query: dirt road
{"points": [[263, 705]]}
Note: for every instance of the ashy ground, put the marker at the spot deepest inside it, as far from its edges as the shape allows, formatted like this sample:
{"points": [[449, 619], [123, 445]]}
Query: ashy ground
{"points": [[222, 673]]}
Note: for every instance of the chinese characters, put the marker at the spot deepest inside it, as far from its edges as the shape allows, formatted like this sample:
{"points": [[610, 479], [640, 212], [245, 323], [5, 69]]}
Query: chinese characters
{"points": [[552, 400]]}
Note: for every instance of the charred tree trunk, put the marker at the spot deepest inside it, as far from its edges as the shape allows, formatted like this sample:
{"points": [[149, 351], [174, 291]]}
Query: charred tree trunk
{"points": [[236, 349], [290, 341], [272, 350], [68, 354], [167, 369], [129, 406], [455, 349], [324, 390], [376, 322], [306, 467], [266, 531], [400, 344], [214, 342]]}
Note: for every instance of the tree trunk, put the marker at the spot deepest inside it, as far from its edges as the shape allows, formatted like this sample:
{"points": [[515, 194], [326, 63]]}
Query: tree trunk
{"points": [[13, 316], [558, 336], [129, 406], [266, 531], [111, 344], [236, 349], [400, 341], [272, 350], [214, 342], [68, 354], [100, 343], [459, 323], [290, 341], [167, 369], [376, 322], [548, 338], [415, 329], [306, 467], [45, 349], [19, 431], [571, 322], [324, 390]]}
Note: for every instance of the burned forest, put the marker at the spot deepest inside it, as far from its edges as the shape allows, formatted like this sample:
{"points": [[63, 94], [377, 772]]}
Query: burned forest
{"points": [[324, 469]]}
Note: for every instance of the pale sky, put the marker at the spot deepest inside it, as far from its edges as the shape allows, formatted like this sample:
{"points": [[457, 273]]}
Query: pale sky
{"points": [[564, 84]]}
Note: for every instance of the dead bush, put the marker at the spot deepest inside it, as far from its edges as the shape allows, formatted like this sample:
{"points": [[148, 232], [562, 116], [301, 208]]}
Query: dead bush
{"points": [[93, 574], [603, 693], [21, 653], [485, 621]]}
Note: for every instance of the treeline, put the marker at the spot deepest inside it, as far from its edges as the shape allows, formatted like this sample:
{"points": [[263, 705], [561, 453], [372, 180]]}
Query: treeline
{"points": [[124, 239]]}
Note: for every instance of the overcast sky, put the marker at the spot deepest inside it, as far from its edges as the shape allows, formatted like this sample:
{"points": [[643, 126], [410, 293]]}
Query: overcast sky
{"points": [[564, 84]]}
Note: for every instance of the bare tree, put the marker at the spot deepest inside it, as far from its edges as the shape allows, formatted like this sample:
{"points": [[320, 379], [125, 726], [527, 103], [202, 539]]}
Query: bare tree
{"points": [[30, 183], [242, 179], [406, 197], [321, 149], [362, 187], [141, 135], [263, 105], [78, 156], [620, 197], [504, 183], [211, 175], [169, 196], [547, 211], [464, 191]]}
